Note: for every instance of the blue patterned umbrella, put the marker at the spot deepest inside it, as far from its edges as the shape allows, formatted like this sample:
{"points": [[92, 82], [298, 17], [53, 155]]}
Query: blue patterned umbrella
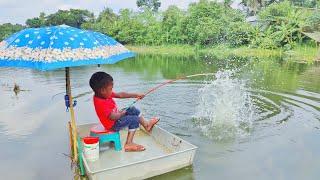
{"points": [[60, 46]]}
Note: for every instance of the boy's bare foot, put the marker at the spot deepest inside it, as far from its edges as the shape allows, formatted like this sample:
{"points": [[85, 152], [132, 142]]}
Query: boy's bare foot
{"points": [[151, 123], [132, 147]]}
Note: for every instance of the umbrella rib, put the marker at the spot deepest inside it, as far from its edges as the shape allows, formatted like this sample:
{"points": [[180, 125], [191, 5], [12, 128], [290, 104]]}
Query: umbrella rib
{"points": [[54, 35], [97, 39], [16, 37], [50, 41], [93, 38]]}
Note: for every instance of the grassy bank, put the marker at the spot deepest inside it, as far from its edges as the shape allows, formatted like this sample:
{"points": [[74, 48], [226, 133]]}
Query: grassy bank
{"points": [[299, 53]]}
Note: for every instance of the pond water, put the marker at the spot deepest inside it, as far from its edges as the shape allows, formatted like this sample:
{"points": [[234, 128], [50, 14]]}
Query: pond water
{"points": [[254, 119]]}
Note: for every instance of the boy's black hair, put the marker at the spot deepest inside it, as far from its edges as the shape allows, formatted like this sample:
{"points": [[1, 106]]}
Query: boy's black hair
{"points": [[99, 80]]}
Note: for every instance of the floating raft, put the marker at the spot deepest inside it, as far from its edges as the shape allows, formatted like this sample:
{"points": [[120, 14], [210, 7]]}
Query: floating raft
{"points": [[164, 152]]}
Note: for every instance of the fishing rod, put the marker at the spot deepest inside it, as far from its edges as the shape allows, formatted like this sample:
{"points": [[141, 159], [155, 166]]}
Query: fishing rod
{"points": [[165, 83]]}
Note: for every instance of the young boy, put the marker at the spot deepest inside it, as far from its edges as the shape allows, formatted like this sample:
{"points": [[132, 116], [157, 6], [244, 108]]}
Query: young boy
{"points": [[108, 113]]}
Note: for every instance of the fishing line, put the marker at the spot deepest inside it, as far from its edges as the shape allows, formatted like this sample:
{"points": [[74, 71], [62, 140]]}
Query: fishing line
{"points": [[165, 83]]}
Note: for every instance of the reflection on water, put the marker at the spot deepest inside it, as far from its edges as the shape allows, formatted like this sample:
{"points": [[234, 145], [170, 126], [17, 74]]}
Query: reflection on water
{"points": [[274, 105]]}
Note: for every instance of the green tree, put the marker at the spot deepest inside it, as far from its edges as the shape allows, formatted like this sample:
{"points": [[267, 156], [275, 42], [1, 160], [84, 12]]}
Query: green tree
{"points": [[7, 29], [172, 20], [105, 23], [208, 31], [72, 17], [202, 22], [239, 33], [227, 3], [253, 5], [207, 22], [37, 21], [284, 23], [107, 15], [313, 21], [131, 30], [149, 4], [305, 3], [153, 31]]}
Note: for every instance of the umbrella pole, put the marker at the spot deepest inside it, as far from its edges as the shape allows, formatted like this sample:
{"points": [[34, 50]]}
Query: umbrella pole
{"points": [[73, 122]]}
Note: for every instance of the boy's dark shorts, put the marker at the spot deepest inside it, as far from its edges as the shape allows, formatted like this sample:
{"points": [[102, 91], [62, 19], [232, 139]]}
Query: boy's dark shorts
{"points": [[130, 120]]}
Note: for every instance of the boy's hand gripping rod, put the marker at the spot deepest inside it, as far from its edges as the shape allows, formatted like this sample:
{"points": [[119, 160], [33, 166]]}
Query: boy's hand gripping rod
{"points": [[165, 83]]}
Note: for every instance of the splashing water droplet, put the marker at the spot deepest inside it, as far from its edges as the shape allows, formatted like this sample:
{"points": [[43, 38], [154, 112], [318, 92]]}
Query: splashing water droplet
{"points": [[225, 110]]}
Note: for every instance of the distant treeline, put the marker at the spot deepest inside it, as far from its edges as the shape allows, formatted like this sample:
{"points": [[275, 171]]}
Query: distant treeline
{"points": [[205, 23]]}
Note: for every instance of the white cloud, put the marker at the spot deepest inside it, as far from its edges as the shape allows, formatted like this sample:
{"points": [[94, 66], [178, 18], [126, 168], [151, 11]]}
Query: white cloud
{"points": [[18, 11], [181, 4], [67, 6]]}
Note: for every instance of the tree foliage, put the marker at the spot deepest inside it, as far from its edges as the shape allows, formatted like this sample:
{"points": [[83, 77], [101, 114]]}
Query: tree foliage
{"points": [[8, 29], [172, 20], [37, 21], [282, 23], [305, 3], [313, 21], [204, 23], [153, 5], [72, 17]]}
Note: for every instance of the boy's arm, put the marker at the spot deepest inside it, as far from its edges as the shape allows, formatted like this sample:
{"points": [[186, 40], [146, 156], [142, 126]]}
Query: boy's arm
{"points": [[117, 115], [128, 95]]}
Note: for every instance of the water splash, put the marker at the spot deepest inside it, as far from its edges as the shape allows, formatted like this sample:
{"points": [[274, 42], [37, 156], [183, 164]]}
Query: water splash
{"points": [[225, 110]]}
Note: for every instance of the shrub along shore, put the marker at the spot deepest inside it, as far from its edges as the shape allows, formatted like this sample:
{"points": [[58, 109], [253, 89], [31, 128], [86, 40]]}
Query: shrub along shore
{"points": [[299, 53], [205, 27]]}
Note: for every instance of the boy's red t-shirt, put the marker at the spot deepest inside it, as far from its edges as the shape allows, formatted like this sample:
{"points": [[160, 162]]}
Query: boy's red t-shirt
{"points": [[103, 109]]}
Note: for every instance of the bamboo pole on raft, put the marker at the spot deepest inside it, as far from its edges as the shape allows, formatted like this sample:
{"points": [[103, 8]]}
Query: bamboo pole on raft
{"points": [[73, 121], [70, 139]]}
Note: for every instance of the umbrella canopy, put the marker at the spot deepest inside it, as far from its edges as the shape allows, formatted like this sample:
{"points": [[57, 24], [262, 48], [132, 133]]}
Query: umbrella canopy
{"points": [[60, 46]]}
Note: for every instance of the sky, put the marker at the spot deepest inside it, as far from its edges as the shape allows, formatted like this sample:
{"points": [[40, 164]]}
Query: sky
{"points": [[18, 11]]}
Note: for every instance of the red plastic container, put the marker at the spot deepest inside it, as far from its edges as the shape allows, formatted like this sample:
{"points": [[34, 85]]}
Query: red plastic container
{"points": [[90, 140]]}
